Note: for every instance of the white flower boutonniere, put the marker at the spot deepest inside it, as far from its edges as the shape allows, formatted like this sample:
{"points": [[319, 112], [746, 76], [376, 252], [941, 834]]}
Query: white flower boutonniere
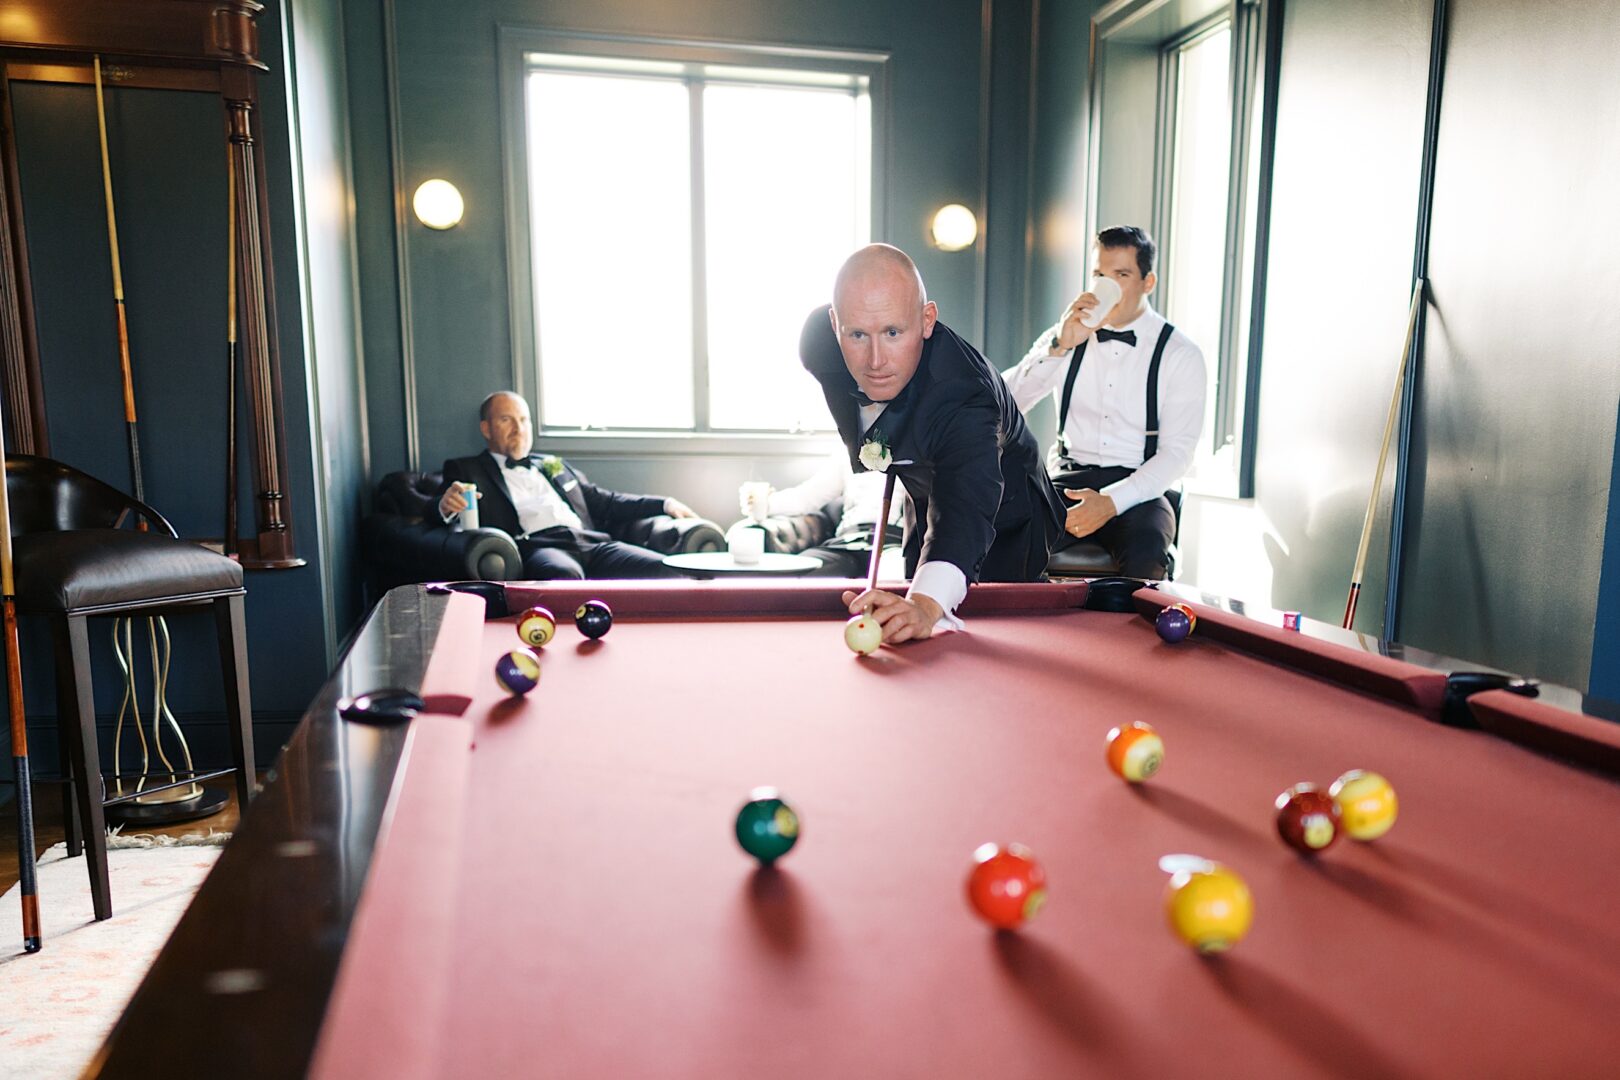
{"points": [[551, 465], [875, 454]]}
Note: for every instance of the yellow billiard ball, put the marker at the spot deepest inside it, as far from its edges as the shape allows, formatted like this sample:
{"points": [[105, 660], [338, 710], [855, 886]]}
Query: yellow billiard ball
{"points": [[1367, 804], [1135, 751], [1209, 908], [863, 634], [537, 627]]}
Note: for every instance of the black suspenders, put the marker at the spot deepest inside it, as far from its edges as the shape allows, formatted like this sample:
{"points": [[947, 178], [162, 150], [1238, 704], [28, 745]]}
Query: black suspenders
{"points": [[1151, 445]]}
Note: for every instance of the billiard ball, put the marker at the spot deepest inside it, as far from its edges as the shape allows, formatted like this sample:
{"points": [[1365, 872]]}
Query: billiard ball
{"points": [[1307, 818], [1209, 908], [1366, 803], [593, 618], [1135, 751], [767, 827], [863, 634], [518, 671], [1006, 885], [537, 627], [1175, 623]]}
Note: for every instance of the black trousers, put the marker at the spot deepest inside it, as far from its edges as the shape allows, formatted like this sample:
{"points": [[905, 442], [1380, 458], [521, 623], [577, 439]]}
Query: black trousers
{"points": [[547, 560], [1139, 540]]}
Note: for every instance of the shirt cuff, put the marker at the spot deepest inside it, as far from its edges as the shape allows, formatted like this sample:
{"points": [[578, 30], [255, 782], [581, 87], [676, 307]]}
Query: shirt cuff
{"points": [[1125, 494], [944, 584]]}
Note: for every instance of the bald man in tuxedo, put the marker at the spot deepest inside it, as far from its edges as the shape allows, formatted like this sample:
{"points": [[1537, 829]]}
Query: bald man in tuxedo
{"points": [[978, 503]]}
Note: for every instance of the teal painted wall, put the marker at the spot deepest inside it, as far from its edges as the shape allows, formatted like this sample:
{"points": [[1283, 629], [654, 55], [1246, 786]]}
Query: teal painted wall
{"points": [[940, 105], [168, 164]]}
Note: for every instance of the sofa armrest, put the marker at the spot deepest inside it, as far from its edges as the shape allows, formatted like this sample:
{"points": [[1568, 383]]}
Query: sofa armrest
{"points": [[674, 536], [410, 549]]}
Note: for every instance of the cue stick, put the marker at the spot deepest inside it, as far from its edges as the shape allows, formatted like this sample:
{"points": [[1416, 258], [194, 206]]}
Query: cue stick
{"points": [[118, 302], [1383, 455], [19, 728], [229, 546], [879, 531]]}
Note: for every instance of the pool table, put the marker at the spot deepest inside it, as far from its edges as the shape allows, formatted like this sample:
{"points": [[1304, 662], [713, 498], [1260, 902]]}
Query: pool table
{"points": [[550, 885]]}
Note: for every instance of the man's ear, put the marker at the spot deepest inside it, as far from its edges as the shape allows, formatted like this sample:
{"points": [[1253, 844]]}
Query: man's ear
{"points": [[832, 317], [1148, 282], [930, 317], [483, 428]]}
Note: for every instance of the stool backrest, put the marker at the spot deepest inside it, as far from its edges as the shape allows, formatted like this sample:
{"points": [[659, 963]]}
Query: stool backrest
{"points": [[48, 496]]}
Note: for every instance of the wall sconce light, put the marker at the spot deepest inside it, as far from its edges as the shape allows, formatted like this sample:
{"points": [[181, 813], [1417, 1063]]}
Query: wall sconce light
{"points": [[438, 204], [954, 227]]}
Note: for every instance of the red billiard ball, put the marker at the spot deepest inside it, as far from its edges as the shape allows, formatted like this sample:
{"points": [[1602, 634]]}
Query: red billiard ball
{"points": [[1175, 623], [1307, 818], [1006, 886]]}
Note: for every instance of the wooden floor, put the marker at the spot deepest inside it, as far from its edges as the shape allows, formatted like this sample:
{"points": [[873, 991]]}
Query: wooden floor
{"points": [[48, 824]]}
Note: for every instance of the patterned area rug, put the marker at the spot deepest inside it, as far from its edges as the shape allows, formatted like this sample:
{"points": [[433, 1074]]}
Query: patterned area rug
{"points": [[57, 1005]]}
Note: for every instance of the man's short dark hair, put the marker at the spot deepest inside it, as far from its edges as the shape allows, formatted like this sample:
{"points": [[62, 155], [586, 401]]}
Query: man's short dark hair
{"points": [[484, 406], [1120, 236]]}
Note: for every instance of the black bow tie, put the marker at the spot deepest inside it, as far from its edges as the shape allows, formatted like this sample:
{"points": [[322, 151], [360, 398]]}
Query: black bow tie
{"points": [[519, 463], [861, 398], [1127, 336]]}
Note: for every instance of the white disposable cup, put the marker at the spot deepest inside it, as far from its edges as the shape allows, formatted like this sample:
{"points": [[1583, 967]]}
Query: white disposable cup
{"points": [[469, 516], [756, 497], [747, 545], [1107, 292]]}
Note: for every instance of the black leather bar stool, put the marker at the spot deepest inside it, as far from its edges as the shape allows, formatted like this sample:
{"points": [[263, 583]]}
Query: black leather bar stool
{"points": [[72, 562]]}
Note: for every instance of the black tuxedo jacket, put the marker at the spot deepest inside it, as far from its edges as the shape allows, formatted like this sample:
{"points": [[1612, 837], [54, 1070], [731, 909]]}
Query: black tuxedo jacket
{"points": [[602, 512], [980, 498]]}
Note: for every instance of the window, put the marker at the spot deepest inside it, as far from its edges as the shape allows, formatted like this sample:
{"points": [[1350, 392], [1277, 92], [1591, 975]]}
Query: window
{"points": [[1194, 263], [1189, 73], [684, 215]]}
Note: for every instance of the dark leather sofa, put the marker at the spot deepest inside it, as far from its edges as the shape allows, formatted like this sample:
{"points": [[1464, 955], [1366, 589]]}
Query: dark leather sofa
{"points": [[405, 542], [1076, 559]]}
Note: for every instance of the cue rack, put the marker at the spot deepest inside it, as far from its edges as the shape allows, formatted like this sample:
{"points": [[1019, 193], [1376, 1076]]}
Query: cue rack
{"points": [[202, 46]]}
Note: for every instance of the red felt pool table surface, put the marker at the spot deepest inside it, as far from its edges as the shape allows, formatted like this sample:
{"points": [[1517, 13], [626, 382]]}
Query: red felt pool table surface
{"points": [[558, 891]]}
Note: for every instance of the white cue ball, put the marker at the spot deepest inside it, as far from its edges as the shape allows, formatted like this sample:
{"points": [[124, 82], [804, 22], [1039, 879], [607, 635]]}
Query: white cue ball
{"points": [[863, 634]]}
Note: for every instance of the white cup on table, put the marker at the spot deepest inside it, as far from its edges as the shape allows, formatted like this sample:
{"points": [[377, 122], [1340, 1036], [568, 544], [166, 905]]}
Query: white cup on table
{"points": [[747, 544], [755, 497]]}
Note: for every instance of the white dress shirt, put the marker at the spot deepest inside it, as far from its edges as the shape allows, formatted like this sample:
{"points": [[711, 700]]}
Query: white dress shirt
{"points": [[942, 582], [536, 500], [862, 493], [1107, 422]]}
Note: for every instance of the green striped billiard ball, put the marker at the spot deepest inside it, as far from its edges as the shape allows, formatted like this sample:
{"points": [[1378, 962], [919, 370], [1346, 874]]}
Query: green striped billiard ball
{"points": [[767, 827]]}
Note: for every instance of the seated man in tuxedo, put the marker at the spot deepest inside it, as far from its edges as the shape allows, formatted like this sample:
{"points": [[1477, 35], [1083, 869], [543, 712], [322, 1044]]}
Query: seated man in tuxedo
{"points": [[563, 523], [1129, 417], [850, 501], [911, 397]]}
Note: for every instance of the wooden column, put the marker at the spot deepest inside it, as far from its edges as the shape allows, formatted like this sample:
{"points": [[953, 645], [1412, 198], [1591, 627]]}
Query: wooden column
{"points": [[272, 515]]}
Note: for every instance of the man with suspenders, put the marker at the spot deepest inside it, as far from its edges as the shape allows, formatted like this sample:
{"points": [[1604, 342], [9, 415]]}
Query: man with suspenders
{"points": [[1130, 409]]}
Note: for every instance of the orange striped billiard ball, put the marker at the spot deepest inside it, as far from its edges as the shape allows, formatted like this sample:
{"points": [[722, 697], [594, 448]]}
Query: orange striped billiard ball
{"points": [[1135, 751]]}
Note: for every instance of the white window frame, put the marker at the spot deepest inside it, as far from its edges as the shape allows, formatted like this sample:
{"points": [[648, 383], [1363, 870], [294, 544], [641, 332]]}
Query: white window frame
{"points": [[517, 45]]}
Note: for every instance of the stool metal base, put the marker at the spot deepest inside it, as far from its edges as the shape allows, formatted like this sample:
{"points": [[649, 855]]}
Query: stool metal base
{"points": [[162, 810]]}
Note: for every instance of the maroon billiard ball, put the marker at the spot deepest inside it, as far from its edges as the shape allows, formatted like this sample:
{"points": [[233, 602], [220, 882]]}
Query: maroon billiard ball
{"points": [[1307, 819]]}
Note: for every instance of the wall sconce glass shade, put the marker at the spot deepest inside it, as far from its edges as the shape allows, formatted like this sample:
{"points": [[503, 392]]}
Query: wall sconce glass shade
{"points": [[438, 204]]}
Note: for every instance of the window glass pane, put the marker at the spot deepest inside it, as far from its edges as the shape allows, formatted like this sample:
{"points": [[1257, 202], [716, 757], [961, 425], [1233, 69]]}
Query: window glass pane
{"points": [[787, 174], [1203, 149], [610, 204]]}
